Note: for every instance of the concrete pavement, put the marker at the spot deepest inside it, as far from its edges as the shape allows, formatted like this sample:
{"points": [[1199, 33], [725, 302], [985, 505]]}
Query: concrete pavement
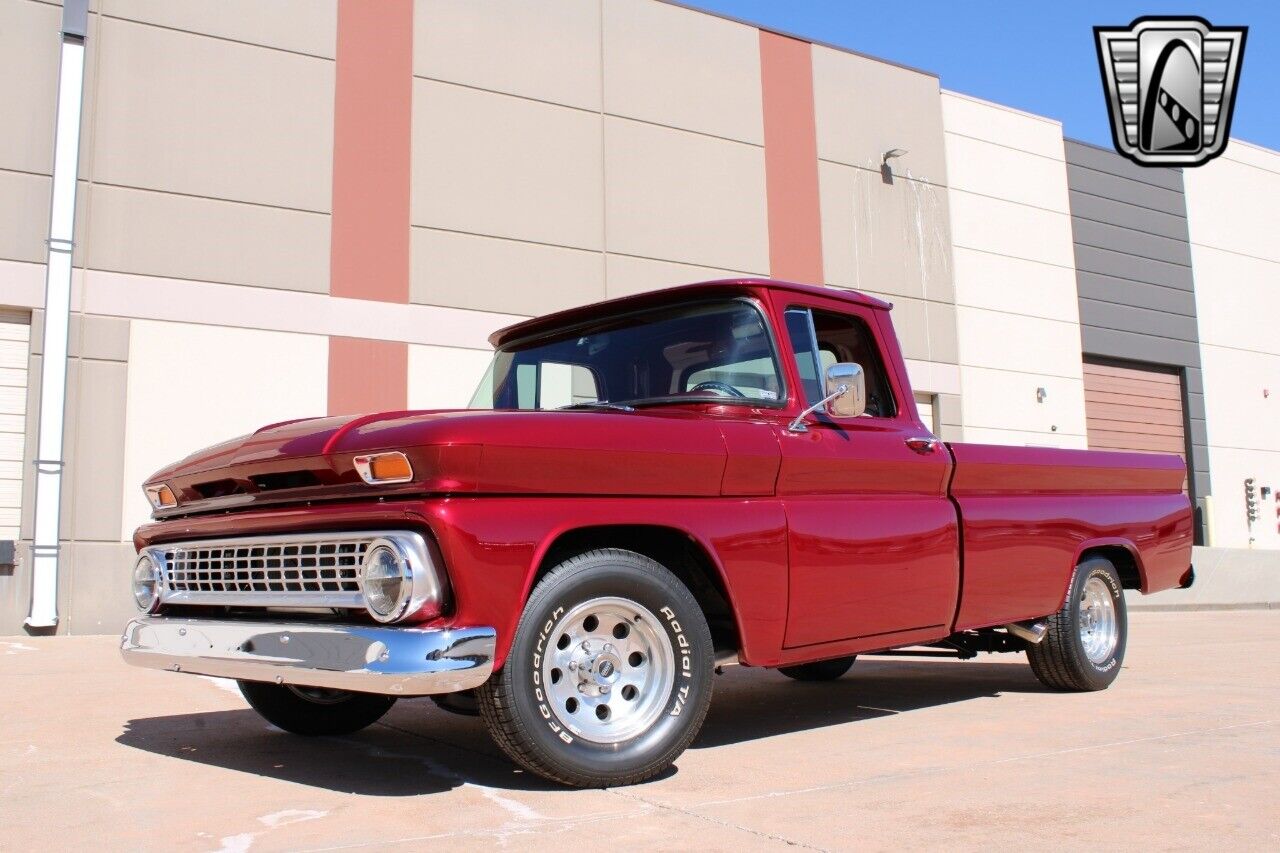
{"points": [[1183, 752]]}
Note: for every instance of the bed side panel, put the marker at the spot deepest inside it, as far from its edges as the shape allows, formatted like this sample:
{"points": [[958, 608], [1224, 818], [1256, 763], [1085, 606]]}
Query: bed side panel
{"points": [[1028, 513]]}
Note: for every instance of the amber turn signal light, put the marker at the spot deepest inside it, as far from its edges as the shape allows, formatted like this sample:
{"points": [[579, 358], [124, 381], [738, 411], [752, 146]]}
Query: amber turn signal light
{"points": [[383, 468], [161, 496]]}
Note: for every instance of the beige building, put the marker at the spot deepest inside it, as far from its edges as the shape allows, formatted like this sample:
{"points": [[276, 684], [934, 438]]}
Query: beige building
{"points": [[304, 207]]}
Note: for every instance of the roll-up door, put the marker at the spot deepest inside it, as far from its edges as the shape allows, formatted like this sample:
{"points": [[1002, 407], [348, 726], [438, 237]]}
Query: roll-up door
{"points": [[1134, 407], [15, 334]]}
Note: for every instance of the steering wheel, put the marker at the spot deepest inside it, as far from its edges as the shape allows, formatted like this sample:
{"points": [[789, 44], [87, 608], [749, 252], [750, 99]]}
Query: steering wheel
{"points": [[722, 387]]}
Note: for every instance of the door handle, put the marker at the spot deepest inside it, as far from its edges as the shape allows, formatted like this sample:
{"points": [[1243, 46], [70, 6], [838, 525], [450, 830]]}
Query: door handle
{"points": [[923, 445]]}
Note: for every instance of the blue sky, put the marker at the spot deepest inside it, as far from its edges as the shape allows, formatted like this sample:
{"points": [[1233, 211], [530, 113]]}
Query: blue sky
{"points": [[1035, 56]]}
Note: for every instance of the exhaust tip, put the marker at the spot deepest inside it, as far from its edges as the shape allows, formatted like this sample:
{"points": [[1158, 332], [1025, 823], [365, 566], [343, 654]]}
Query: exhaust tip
{"points": [[1031, 632]]}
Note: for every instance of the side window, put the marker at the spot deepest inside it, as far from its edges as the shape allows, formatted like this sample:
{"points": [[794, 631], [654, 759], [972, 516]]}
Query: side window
{"points": [[844, 338], [838, 338], [800, 331]]}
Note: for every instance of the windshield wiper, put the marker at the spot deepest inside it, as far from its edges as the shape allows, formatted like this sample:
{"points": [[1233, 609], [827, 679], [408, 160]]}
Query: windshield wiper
{"points": [[598, 404], [669, 401]]}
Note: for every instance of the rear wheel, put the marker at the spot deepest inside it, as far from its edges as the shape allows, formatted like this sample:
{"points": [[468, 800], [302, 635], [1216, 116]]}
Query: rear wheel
{"points": [[1085, 643], [823, 670], [315, 710], [609, 675]]}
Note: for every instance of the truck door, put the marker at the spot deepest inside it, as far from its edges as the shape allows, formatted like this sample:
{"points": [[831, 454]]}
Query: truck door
{"points": [[874, 550]]}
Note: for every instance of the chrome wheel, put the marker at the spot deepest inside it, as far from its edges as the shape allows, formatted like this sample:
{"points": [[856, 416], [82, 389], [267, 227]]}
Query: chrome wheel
{"points": [[608, 670], [1099, 628]]}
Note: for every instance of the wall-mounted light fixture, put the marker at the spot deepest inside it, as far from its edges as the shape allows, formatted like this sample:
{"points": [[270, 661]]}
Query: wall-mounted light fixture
{"points": [[1041, 394], [886, 171]]}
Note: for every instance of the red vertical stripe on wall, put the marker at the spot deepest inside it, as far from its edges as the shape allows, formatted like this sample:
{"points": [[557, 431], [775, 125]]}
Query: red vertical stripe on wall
{"points": [[369, 238], [367, 376], [791, 158]]}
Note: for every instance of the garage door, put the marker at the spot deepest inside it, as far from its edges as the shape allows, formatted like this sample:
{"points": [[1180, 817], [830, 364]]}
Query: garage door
{"points": [[1134, 408], [15, 331]]}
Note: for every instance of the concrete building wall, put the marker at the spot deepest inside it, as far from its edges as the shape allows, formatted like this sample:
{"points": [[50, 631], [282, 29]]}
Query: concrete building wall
{"points": [[1134, 273], [1018, 325], [585, 177], [886, 226], [1231, 212]]}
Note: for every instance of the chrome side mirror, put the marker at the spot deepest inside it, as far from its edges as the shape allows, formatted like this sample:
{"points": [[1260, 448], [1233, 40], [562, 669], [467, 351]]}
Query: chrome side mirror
{"points": [[850, 402], [846, 387]]}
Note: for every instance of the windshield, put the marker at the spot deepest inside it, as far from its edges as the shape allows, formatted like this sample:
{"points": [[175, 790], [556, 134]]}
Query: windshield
{"points": [[718, 352]]}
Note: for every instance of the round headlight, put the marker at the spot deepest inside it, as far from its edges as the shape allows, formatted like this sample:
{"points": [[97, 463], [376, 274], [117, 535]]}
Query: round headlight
{"points": [[388, 582], [146, 584]]}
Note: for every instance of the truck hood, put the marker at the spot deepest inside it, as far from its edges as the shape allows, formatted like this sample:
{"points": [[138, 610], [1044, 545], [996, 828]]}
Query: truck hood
{"points": [[648, 452]]}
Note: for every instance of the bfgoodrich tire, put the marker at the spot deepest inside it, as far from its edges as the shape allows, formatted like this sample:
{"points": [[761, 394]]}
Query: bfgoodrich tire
{"points": [[315, 710], [609, 676], [1085, 643], [823, 670]]}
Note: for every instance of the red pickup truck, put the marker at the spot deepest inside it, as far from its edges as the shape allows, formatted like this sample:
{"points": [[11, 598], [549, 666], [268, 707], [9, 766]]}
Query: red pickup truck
{"points": [[643, 491]]}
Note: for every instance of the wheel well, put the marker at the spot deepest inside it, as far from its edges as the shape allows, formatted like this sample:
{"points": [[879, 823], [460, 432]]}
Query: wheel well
{"points": [[1122, 559], [680, 553]]}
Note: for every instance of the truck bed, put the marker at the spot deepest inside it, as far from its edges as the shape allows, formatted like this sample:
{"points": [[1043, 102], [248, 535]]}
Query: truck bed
{"points": [[1027, 514]]}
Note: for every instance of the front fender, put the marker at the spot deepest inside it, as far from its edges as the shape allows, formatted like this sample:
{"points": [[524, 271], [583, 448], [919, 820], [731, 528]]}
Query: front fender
{"points": [[493, 546]]}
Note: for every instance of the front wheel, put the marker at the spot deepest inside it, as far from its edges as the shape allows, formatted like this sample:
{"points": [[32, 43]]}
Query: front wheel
{"points": [[315, 710], [609, 675], [1085, 644]]}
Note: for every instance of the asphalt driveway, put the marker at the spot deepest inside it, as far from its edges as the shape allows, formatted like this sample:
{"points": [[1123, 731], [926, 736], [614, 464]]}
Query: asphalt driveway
{"points": [[1183, 752]]}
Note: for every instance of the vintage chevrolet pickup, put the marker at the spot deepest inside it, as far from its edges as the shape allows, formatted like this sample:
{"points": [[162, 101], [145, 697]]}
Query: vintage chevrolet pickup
{"points": [[643, 491]]}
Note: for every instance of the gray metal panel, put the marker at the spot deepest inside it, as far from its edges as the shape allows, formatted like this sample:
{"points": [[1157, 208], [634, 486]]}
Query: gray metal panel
{"points": [[1198, 432], [1107, 262], [1127, 318], [1134, 346], [1099, 209], [1103, 185], [1104, 160], [1195, 403], [1200, 483], [1123, 291], [1102, 235], [1195, 380]]}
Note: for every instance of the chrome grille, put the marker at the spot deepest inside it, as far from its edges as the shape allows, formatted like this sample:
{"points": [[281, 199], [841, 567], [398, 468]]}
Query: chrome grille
{"points": [[308, 570]]}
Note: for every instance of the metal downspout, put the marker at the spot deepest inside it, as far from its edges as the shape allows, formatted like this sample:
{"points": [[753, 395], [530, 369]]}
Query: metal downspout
{"points": [[57, 312]]}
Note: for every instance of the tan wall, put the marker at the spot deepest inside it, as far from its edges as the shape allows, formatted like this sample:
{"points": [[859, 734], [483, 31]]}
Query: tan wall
{"points": [[888, 231], [1231, 203], [205, 158], [551, 167], [91, 500], [199, 374], [217, 169], [1015, 288], [28, 85], [28, 94]]}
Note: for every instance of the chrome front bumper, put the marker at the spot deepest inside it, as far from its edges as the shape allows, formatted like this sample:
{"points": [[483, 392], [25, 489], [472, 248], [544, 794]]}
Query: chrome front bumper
{"points": [[392, 661]]}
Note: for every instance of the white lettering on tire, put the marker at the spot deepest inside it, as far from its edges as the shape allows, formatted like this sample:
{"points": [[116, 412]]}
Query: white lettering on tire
{"points": [[538, 694], [686, 659]]}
